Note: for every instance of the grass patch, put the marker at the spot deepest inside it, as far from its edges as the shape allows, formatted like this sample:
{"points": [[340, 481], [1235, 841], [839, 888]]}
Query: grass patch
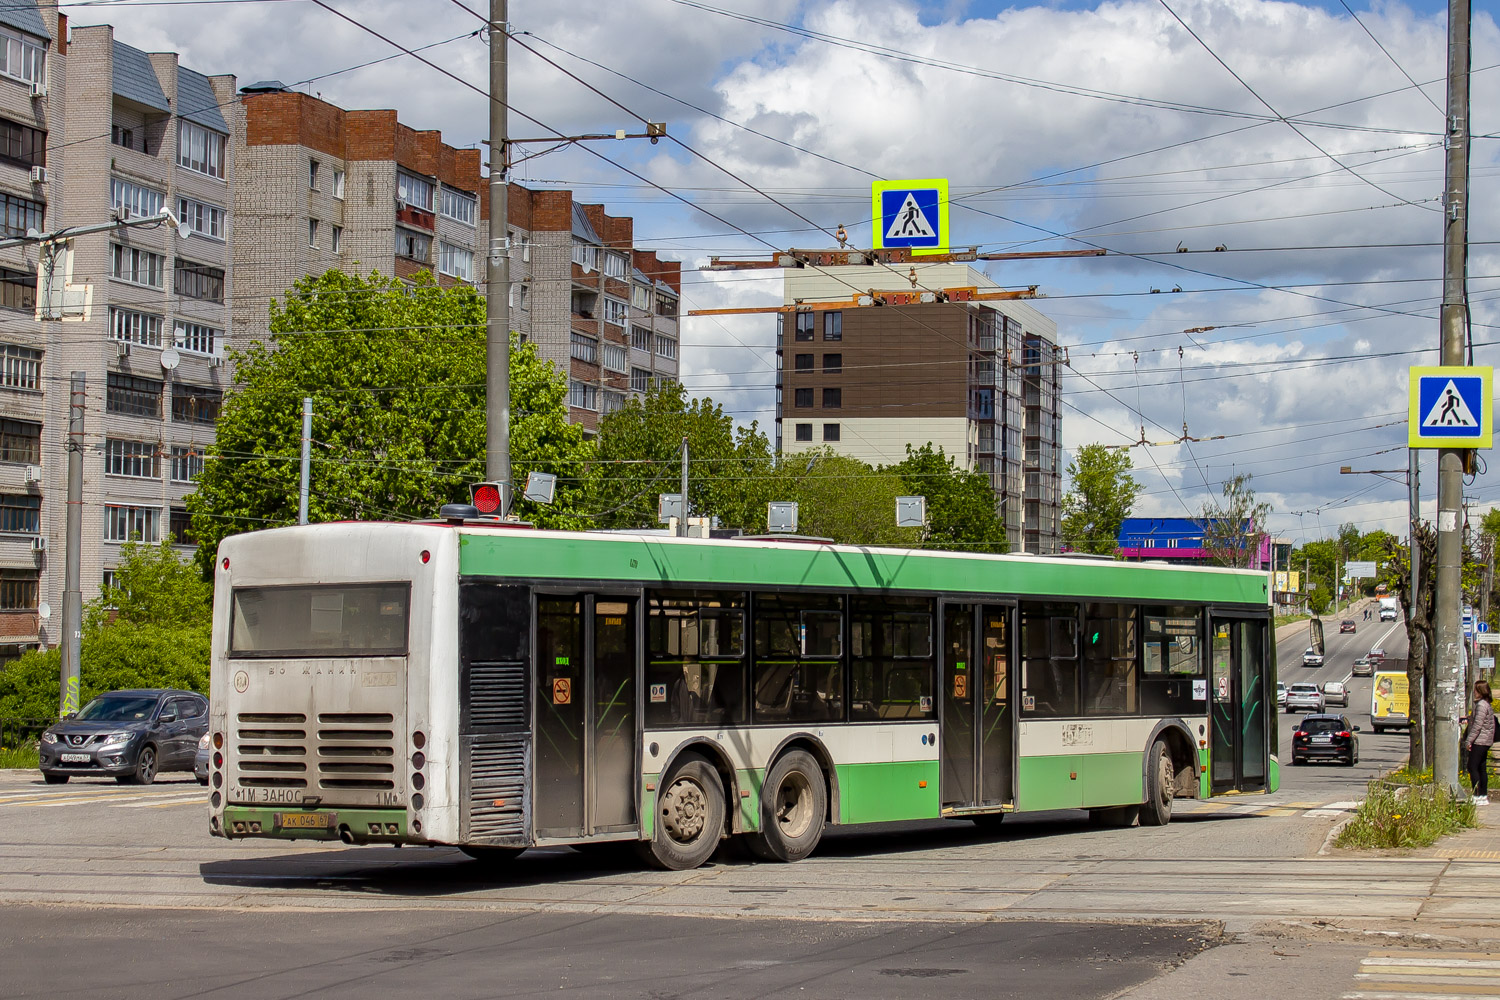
{"points": [[1406, 815], [18, 757]]}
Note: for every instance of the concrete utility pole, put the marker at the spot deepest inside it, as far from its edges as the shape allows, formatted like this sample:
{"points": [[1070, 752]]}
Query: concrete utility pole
{"points": [[497, 283], [682, 519], [1414, 513], [306, 458], [1448, 668], [72, 620]]}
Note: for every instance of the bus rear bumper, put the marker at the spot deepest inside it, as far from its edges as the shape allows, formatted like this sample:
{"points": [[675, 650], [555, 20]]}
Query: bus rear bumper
{"points": [[352, 826]]}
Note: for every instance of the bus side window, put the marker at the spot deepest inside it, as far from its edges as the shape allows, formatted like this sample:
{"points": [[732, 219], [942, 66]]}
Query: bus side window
{"points": [[1049, 663], [1109, 654], [891, 658], [799, 650], [695, 658]]}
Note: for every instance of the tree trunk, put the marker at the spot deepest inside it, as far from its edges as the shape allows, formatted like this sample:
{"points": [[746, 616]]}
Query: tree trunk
{"points": [[1420, 668]]}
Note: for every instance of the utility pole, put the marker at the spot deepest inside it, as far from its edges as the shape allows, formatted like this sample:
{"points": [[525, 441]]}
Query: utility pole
{"points": [[1414, 504], [72, 620], [682, 520], [1448, 669], [497, 282], [306, 458]]}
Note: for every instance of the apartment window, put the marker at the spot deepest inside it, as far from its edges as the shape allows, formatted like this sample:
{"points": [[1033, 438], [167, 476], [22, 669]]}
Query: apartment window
{"points": [[640, 338], [185, 465], [312, 174], [134, 201], [124, 135], [666, 305], [20, 367], [833, 364], [804, 363], [179, 526], [585, 255], [415, 246], [833, 399], [200, 150], [18, 589], [17, 289], [614, 357], [124, 523], [24, 57], [131, 458], [199, 338], [22, 145], [585, 348], [830, 432], [583, 396], [456, 261], [132, 396], [666, 347], [131, 327], [338, 184], [312, 232], [460, 206], [640, 298], [20, 441], [521, 242], [804, 432], [615, 311], [611, 402], [833, 326], [804, 326], [21, 214], [803, 399], [202, 218], [21, 514], [640, 380], [336, 239], [193, 404], [414, 191], [615, 266], [520, 296], [139, 267], [198, 281]]}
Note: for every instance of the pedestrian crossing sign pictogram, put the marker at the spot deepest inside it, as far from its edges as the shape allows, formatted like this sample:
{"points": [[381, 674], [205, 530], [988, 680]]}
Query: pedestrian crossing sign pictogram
{"points": [[1450, 407], [911, 215]]}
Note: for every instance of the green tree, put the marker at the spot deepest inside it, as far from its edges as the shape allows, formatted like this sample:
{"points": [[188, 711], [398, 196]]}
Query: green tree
{"points": [[842, 498], [1101, 495], [397, 377], [961, 511], [1234, 527], [638, 456], [153, 586]]}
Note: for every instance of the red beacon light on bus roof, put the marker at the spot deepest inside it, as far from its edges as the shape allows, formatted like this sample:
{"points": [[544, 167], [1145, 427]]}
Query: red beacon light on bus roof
{"points": [[486, 497]]}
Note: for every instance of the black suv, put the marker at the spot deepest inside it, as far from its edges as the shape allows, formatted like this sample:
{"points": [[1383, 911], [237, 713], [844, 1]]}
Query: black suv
{"points": [[1325, 737], [127, 735]]}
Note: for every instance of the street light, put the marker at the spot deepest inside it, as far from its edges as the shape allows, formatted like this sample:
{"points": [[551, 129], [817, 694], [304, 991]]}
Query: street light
{"points": [[1409, 476]]}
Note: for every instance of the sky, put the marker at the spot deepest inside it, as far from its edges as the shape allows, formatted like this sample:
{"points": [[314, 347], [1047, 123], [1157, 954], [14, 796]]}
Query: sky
{"points": [[1304, 139]]}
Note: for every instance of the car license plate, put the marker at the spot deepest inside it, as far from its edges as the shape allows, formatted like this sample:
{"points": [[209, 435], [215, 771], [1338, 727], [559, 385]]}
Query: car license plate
{"points": [[1325, 738], [306, 821], [75, 758]]}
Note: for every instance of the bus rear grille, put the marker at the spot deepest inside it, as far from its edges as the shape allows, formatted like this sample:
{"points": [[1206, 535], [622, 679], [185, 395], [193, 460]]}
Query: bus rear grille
{"points": [[497, 695], [497, 789], [349, 751]]}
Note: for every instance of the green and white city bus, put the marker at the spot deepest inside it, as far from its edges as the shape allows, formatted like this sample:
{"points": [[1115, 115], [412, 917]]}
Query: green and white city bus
{"points": [[496, 688]]}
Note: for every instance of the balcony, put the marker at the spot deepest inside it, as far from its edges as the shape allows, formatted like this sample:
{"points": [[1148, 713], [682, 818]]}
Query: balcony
{"points": [[19, 626], [417, 218]]}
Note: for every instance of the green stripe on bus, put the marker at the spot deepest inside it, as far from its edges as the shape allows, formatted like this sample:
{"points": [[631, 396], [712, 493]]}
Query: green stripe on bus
{"points": [[1103, 779], [657, 562], [877, 793]]}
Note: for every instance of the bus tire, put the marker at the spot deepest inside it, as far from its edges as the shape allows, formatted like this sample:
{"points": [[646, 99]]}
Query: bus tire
{"points": [[1160, 781], [689, 816], [793, 804], [491, 855]]}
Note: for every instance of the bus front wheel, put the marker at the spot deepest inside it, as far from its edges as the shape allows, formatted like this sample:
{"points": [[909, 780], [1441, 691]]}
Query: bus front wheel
{"points": [[689, 816], [792, 806], [1160, 786]]}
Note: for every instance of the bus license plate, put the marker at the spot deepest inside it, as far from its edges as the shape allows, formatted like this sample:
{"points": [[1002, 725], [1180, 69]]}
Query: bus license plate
{"points": [[306, 821]]}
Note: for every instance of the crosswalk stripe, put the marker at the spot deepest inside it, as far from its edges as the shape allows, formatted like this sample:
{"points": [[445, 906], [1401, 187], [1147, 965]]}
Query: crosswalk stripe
{"points": [[1451, 989], [1403, 962], [176, 801], [1397, 975]]}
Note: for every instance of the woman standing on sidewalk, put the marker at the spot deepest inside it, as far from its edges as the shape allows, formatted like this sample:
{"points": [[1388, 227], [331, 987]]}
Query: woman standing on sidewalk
{"points": [[1478, 739]]}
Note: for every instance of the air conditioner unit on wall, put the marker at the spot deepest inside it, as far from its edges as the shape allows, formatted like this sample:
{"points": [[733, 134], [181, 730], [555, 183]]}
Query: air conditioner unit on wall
{"points": [[38, 89], [39, 544], [38, 175], [33, 473], [123, 348]]}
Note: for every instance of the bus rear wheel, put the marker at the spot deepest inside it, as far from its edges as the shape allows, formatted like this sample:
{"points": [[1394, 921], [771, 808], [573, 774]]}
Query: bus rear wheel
{"points": [[793, 804], [1160, 782], [689, 816]]}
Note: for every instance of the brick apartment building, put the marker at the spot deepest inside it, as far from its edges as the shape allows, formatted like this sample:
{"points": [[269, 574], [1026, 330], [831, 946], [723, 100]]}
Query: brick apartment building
{"points": [[978, 379], [325, 187]]}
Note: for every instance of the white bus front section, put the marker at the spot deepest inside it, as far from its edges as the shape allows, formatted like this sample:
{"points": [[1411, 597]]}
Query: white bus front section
{"points": [[328, 743]]}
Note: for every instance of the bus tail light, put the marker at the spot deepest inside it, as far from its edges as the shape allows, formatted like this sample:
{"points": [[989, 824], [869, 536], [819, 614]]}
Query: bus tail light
{"points": [[218, 741]]}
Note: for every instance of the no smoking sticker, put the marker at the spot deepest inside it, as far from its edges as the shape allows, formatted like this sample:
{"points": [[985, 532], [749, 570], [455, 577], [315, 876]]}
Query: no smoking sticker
{"points": [[562, 691]]}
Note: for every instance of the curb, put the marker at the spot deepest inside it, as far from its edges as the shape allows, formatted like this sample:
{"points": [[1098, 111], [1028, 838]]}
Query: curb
{"points": [[1338, 828]]}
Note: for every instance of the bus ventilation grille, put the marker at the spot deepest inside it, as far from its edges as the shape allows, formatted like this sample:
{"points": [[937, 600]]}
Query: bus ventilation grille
{"points": [[497, 789], [497, 695]]}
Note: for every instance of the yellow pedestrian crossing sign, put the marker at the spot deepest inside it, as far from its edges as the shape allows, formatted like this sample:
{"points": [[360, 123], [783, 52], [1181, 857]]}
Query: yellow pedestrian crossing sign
{"points": [[1449, 407], [911, 215]]}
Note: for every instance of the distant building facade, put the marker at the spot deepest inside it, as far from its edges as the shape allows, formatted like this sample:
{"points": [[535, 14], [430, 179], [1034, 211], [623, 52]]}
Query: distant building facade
{"points": [[1177, 540]]}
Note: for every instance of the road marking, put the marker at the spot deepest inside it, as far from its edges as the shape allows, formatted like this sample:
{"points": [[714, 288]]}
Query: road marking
{"points": [[79, 799], [1394, 975], [201, 798]]}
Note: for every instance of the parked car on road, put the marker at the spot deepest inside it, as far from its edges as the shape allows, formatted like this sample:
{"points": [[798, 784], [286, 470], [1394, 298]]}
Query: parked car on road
{"points": [[1307, 697], [1335, 693], [1280, 695], [1325, 737], [1312, 658], [130, 736], [1347, 625], [200, 761], [1364, 667]]}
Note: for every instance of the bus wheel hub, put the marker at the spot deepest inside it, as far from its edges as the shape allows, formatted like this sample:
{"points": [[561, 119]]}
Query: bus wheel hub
{"points": [[682, 810]]}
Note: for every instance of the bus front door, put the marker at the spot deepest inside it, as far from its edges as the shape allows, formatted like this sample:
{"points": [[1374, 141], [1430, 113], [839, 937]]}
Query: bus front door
{"points": [[585, 758], [977, 723], [1240, 715]]}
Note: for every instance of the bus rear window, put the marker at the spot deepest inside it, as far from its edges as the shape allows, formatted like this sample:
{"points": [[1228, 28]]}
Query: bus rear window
{"points": [[365, 619]]}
